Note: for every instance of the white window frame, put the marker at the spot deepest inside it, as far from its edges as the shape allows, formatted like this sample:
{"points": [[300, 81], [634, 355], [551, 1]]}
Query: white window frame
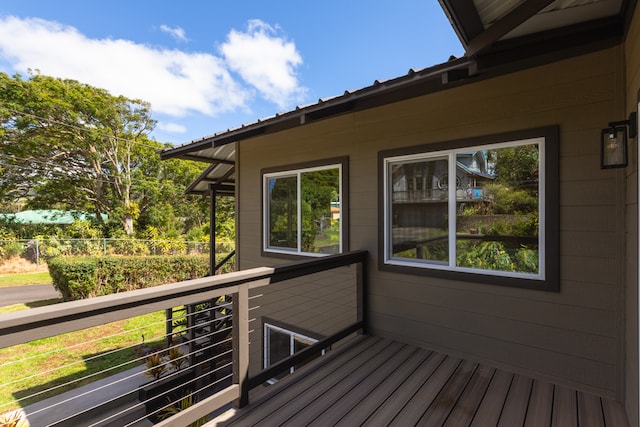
{"points": [[451, 264], [265, 203], [292, 336]]}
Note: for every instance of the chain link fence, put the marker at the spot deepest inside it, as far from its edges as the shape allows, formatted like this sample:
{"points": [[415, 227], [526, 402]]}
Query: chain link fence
{"points": [[38, 250]]}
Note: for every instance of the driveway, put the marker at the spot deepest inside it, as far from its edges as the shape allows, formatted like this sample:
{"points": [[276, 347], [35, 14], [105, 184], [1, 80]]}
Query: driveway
{"points": [[22, 294]]}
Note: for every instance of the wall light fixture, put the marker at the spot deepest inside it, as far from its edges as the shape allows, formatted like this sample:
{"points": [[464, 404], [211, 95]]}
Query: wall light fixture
{"points": [[613, 142]]}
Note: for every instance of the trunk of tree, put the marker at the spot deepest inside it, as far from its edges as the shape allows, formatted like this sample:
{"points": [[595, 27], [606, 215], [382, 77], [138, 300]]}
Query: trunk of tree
{"points": [[127, 223]]}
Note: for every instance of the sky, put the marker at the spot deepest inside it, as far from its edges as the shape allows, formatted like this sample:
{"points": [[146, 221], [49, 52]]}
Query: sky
{"points": [[208, 66]]}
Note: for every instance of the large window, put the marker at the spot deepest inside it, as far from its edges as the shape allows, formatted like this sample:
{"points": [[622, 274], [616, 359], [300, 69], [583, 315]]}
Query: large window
{"points": [[304, 210], [487, 210]]}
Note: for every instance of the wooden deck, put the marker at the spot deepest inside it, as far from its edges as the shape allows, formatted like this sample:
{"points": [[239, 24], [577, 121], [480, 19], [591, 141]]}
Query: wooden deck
{"points": [[379, 382]]}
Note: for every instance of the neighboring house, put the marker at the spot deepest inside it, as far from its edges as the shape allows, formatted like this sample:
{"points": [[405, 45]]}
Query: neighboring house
{"points": [[539, 82]]}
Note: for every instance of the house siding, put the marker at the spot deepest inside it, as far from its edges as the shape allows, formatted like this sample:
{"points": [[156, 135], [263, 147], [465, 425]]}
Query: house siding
{"points": [[632, 89], [571, 337]]}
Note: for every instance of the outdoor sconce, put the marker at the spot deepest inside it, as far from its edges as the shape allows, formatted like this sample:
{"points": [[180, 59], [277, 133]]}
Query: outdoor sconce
{"points": [[613, 142]]}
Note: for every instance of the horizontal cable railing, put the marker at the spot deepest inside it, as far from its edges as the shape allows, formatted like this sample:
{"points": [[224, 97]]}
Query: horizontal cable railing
{"points": [[135, 368]]}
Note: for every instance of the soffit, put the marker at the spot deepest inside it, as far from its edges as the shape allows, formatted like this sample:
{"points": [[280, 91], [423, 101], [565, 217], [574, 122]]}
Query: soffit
{"points": [[221, 173], [559, 14], [481, 24]]}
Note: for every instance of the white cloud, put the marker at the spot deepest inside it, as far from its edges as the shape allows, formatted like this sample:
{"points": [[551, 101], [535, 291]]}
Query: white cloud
{"points": [[171, 127], [177, 33], [265, 60], [176, 83]]}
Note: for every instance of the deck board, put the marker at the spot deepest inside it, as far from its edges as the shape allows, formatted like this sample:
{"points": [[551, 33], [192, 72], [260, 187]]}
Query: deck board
{"points": [[438, 412], [374, 381], [589, 410], [289, 389], [398, 399], [361, 410], [540, 405], [565, 411], [515, 406], [613, 413], [329, 396], [464, 411], [338, 407], [491, 406], [415, 407]]}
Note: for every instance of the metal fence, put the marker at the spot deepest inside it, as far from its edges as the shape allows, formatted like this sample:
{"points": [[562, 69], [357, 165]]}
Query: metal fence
{"points": [[36, 250]]}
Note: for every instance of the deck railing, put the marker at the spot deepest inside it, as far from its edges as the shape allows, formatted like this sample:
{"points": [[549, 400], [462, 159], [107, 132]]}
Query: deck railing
{"points": [[49, 321]]}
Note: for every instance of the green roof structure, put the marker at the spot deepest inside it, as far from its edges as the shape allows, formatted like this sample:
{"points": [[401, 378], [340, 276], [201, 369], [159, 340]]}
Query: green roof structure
{"points": [[49, 216]]}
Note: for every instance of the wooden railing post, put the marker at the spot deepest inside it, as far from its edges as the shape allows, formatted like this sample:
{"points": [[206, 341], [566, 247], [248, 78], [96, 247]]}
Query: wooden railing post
{"points": [[241, 343]]}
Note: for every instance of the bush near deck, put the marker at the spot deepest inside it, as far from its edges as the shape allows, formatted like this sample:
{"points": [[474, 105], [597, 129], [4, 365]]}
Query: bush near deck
{"points": [[84, 277]]}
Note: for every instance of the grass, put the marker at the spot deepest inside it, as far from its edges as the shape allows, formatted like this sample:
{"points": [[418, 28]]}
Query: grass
{"points": [[33, 367], [26, 306], [19, 279]]}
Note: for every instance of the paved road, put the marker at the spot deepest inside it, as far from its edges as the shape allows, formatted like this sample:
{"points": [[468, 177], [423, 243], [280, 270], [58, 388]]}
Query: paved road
{"points": [[22, 294]]}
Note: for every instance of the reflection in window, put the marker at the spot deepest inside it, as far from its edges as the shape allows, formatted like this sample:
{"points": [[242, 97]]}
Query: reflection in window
{"points": [[321, 211], [497, 224], [419, 210], [494, 209], [283, 212], [303, 211]]}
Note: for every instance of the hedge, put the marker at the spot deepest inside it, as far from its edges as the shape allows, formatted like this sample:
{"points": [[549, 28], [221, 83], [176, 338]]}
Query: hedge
{"points": [[84, 277]]}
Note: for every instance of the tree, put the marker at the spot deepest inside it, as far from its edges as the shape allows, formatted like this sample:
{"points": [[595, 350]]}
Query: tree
{"points": [[68, 144], [159, 192], [518, 166]]}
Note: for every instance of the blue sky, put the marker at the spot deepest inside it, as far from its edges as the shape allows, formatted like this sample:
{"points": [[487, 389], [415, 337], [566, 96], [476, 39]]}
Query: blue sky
{"points": [[206, 66]]}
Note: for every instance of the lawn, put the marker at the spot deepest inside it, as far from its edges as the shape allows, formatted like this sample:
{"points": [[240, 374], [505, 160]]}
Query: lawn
{"points": [[19, 279], [39, 365]]}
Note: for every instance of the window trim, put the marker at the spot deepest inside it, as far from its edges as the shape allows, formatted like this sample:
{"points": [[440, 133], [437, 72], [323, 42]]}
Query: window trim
{"points": [[342, 163], [269, 324], [549, 201]]}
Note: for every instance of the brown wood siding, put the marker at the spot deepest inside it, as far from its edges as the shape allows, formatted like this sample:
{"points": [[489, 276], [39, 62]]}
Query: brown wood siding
{"points": [[632, 72], [571, 337], [316, 306]]}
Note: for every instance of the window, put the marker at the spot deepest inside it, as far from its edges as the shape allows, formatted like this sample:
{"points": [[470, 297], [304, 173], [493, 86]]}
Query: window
{"points": [[280, 343], [498, 224], [304, 210]]}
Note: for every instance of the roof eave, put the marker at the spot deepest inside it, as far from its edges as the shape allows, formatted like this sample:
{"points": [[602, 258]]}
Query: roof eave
{"points": [[377, 94]]}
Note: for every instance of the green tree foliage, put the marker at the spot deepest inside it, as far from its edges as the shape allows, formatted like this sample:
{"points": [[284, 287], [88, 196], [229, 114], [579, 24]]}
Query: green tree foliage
{"points": [[512, 211], [225, 219], [68, 145], [518, 167], [319, 189]]}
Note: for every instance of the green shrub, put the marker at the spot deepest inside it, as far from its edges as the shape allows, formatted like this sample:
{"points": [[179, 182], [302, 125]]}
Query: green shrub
{"points": [[84, 277], [128, 247], [75, 278], [11, 249]]}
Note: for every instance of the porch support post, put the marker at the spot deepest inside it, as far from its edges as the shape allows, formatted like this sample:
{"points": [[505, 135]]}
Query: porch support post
{"points": [[212, 229], [241, 343]]}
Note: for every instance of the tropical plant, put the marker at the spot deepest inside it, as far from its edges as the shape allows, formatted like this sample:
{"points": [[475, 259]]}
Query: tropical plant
{"points": [[185, 402], [176, 358], [14, 419], [155, 366]]}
